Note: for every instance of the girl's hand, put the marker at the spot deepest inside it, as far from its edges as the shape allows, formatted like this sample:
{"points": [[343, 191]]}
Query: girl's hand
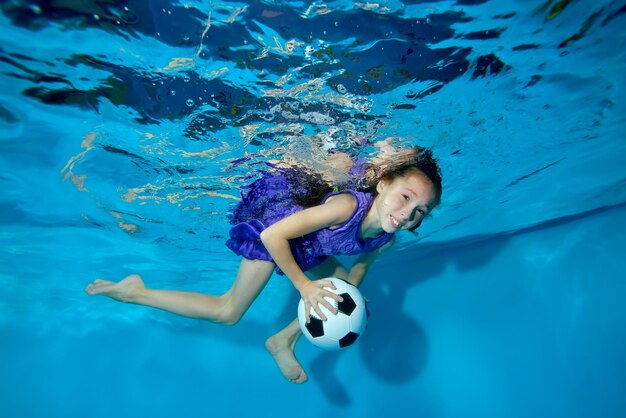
{"points": [[313, 294]]}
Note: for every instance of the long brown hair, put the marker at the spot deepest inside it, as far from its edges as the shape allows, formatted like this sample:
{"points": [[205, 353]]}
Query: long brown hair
{"points": [[312, 186], [403, 162]]}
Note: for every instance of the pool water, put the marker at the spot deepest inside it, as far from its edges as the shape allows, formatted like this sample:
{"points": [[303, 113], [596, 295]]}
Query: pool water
{"points": [[127, 129]]}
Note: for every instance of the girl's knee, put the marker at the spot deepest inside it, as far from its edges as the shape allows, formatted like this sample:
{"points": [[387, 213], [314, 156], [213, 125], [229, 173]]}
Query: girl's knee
{"points": [[229, 318], [228, 314]]}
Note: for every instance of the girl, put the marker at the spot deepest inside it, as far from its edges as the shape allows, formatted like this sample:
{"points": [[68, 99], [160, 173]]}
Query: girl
{"points": [[290, 221]]}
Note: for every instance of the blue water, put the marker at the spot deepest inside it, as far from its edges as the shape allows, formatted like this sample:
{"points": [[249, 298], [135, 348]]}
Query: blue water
{"points": [[123, 132]]}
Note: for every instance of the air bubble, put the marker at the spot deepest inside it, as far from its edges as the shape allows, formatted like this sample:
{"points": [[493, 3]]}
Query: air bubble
{"points": [[341, 89], [189, 102], [186, 78], [172, 93]]}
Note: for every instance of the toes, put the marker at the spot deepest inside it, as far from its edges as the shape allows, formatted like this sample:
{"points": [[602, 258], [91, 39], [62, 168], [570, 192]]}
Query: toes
{"points": [[97, 287], [300, 379], [91, 290]]}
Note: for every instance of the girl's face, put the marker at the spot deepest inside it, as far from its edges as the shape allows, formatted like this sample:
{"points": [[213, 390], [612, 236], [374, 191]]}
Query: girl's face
{"points": [[404, 201]]}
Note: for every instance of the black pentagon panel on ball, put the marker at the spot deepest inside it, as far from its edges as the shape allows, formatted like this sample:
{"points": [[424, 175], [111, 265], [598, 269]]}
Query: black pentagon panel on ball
{"points": [[347, 306], [349, 339], [315, 327]]}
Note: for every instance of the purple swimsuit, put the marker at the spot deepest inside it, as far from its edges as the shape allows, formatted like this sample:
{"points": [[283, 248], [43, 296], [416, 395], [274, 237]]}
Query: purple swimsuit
{"points": [[269, 200]]}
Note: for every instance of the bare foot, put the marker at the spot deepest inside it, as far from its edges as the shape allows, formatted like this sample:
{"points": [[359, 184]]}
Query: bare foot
{"points": [[126, 290], [282, 350]]}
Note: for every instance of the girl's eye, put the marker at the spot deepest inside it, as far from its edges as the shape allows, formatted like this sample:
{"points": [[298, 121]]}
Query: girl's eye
{"points": [[406, 197]]}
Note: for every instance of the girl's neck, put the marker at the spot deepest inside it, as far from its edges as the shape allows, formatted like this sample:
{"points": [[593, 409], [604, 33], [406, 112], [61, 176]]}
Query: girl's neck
{"points": [[370, 227]]}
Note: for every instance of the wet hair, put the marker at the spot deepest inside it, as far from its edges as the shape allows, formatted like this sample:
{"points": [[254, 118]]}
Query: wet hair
{"points": [[417, 159], [312, 186]]}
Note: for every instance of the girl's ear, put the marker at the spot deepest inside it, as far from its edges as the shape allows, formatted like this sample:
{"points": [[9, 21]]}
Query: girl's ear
{"points": [[381, 185]]}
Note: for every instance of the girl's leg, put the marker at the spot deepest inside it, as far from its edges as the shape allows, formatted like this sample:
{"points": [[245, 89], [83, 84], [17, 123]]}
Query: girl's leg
{"points": [[225, 309], [282, 344]]}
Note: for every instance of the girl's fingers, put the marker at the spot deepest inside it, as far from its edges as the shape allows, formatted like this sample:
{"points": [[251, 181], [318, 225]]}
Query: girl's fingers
{"points": [[316, 307], [314, 302], [327, 283], [328, 306], [326, 293], [332, 296], [307, 312], [320, 313], [337, 297]]}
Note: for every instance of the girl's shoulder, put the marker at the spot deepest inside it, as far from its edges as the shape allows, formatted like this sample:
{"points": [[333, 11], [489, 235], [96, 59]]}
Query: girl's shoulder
{"points": [[350, 203], [355, 197], [345, 202]]}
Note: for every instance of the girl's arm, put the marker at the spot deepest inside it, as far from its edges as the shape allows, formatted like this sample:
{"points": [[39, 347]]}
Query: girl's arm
{"points": [[335, 211], [364, 262]]}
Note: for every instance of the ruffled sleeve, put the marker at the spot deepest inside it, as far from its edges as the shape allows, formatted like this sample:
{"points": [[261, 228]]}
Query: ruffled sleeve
{"points": [[245, 240]]}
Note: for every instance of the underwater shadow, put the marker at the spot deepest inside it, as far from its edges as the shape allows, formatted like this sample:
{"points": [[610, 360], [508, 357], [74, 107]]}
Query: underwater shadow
{"points": [[398, 353], [398, 360], [393, 354], [395, 348], [323, 368]]}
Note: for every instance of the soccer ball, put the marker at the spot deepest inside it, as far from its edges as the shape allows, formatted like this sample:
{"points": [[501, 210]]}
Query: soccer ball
{"points": [[341, 330]]}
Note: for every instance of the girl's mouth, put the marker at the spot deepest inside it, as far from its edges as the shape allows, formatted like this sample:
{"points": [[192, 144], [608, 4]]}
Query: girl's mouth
{"points": [[394, 221]]}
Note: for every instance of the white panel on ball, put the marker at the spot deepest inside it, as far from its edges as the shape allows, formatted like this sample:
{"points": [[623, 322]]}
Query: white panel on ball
{"points": [[341, 330]]}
